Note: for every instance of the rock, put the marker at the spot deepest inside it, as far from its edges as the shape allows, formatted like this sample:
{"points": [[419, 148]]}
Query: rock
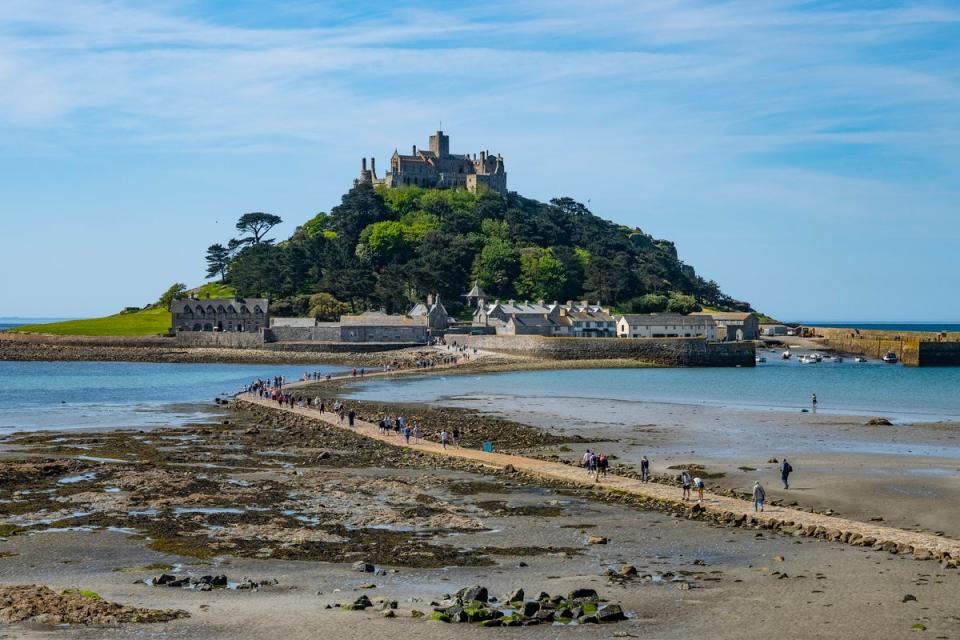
{"points": [[493, 622], [610, 613], [164, 578], [530, 608], [470, 594], [324, 455], [361, 603], [509, 469], [778, 558], [922, 554], [389, 613], [388, 604], [439, 616], [368, 585], [878, 422], [366, 567], [416, 614], [583, 595], [546, 596], [564, 613], [219, 581], [628, 571], [685, 586], [545, 616], [592, 619], [515, 596], [909, 598], [773, 461], [205, 586], [597, 540]]}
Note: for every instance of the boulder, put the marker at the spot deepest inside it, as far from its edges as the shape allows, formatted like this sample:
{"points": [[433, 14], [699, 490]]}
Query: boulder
{"points": [[363, 566], [530, 608], [164, 578], [583, 595], [597, 540], [611, 613], [470, 594], [628, 571], [514, 596]]}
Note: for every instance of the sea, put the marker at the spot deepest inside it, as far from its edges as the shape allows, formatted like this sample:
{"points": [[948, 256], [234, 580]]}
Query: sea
{"points": [[873, 388], [71, 395]]}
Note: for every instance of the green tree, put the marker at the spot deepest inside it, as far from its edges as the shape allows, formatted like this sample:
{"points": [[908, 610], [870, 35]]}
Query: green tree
{"points": [[317, 225], [324, 306], [542, 275], [218, 260], [496, 267], [256, 225], [175, 292], [682, 303], [649, 303], [259, 270]]}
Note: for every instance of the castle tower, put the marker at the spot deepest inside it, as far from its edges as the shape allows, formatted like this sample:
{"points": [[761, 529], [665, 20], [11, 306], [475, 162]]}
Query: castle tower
{"points": [[440, 144]]}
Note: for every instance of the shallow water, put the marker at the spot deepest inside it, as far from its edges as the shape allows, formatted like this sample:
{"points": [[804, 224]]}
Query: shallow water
{"points": [[873, 388], [65, 395]]}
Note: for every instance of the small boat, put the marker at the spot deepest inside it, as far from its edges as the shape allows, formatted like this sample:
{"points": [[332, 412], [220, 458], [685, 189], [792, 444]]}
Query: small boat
{"points": [[859, 359], [816, 357], [785, 355], [836, 359], [890, 357], [761, 359]]}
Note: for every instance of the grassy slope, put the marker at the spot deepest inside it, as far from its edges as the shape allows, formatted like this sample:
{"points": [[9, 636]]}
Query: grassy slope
{"points": [[142, 323], [214, 290]]}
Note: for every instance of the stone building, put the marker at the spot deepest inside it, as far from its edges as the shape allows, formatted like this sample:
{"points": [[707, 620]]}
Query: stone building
{"points": [[220, 314], [573, 319], [438, 168], [736, 326], [666, 325], [376, 326], [437, 317]]}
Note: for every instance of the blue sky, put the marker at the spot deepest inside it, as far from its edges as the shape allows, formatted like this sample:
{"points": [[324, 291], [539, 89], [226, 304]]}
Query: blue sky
{"points": [[806, 155]]}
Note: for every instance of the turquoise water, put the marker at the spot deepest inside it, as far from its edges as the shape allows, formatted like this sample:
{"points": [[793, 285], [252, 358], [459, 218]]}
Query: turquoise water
{"points": [[65, 395], [872, 388]]}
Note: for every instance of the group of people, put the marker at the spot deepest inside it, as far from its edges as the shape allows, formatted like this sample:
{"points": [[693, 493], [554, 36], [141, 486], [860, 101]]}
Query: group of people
{"points": [[596, 464]]}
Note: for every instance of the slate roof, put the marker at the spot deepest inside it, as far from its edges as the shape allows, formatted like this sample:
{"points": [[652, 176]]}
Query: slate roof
{"points": [[662, 319], [379, 319], [179, 306]]}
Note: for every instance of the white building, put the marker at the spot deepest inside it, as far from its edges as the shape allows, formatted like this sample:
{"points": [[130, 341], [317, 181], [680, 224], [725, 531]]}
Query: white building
{"points": [[666, 325]]}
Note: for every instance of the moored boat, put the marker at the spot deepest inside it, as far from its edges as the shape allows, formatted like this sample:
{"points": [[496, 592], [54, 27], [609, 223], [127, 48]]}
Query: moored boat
{"points": [[785, 355], [859, 359], [890, 357]]}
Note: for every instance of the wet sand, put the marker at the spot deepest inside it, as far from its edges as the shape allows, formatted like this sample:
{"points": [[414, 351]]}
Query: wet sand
{"points": [[908, 475]]}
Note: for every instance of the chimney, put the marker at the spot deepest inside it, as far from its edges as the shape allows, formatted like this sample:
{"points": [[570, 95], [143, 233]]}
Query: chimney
{"points": [[414, 149], [429, 299], [540, 302], [363, 164], [373, 165]]}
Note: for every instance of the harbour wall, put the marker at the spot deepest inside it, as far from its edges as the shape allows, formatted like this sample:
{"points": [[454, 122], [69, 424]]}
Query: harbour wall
{"points": [[913, 348], [673, 352]]}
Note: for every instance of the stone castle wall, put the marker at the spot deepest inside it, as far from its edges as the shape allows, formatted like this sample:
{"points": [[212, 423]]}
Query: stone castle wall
{"points": [[913, 348], [323, 333], [228, 339], [676, 352]]}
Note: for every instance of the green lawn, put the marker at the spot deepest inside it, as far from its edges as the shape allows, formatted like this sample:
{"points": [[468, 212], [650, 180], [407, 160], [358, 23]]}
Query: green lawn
{"points": [[213, 290], [141, 323]]}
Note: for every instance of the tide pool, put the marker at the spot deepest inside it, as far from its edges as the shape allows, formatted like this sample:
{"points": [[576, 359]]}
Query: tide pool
{"points": [[64, 395]]}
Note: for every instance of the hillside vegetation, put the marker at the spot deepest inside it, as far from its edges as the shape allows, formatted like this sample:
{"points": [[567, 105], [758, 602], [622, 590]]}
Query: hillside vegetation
{"points": [[138, 323], [389, 248]]}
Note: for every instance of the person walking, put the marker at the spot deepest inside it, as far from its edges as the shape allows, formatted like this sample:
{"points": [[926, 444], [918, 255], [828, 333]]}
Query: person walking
{"points": [[456, 437], [698, 483], [406, 434], [586, 460], [759, 495], [644, 469], [416, 434], [813, 401], [685, 480], [350, 416], [785, 471], [443, 438]]}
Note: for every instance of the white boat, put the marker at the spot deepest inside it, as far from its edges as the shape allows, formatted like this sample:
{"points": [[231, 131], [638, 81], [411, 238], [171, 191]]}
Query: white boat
{"points": [[859, 359], [761, 359], [785, 355], [837, 359], [890, 357], [816, 357]]}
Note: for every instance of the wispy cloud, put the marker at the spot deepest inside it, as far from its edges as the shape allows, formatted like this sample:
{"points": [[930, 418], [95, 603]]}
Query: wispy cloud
{"points": [[734, 109]]}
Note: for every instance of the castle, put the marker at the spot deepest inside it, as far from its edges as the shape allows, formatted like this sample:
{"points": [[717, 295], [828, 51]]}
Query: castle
{"points": [[438, 168]]}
